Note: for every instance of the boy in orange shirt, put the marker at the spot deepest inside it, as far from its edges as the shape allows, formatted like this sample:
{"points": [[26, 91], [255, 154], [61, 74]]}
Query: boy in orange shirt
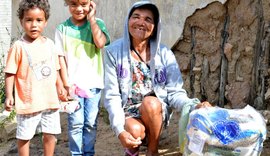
{"points": [[32, 70]]}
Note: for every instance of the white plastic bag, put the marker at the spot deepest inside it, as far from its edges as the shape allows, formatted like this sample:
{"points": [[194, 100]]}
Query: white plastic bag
{"points": [[216, 131], [69, 106]]}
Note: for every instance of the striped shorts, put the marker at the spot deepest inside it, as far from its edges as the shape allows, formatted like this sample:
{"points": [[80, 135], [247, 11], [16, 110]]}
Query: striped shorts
{"points": [[47, 121]]}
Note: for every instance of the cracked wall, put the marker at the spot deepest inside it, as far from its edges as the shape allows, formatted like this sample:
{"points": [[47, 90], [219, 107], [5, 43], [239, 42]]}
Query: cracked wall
{"points": [[222, 46], [224, 53]]}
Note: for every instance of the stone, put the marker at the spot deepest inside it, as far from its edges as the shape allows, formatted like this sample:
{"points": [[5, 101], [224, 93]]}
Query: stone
{"points": [[237, 94]]}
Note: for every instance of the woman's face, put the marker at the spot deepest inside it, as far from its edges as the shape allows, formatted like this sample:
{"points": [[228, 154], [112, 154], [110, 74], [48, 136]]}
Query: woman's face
{"points": [[141, 24]]}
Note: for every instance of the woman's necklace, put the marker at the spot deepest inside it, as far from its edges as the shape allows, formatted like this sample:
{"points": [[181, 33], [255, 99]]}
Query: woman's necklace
{"points": [[140, 57], [137, 53]]}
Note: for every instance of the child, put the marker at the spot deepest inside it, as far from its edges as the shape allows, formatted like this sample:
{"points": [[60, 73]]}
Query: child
{"points": [[80, 39], [31, 69]]}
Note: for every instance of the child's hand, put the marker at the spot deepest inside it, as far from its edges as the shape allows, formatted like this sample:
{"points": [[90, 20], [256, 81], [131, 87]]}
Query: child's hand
{"points": [[62, 94], [9, 103], [92, 12]]}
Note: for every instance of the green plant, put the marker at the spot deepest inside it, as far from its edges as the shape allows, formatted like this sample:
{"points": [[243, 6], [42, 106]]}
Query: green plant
{"points": [[2, 78], [11, 116], [2, 93], [2, 64]]}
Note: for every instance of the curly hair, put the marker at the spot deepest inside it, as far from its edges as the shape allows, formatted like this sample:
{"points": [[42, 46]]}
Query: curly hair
{"points": [[25, 5]]}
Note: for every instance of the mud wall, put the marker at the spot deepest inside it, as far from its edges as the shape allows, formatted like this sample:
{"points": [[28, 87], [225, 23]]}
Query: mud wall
{"points": [[224, 53]]}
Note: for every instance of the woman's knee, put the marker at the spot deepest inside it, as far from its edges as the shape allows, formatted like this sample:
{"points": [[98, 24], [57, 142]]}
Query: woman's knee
{"points": [[151, 104], [136, 129]]}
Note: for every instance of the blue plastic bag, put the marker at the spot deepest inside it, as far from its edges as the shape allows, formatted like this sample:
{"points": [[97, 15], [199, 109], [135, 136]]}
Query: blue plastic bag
{"points": [[217, 131]]}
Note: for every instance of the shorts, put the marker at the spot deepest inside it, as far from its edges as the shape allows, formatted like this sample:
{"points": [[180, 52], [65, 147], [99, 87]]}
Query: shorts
{"points": [[132, 111], [47, 121]]}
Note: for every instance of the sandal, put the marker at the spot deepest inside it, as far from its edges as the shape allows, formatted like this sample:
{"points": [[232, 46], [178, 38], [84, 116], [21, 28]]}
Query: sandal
{"points": [[129, 153]]}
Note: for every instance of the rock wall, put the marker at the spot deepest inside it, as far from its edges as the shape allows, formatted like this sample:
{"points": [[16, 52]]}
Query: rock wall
{"points": [[224, 53]]}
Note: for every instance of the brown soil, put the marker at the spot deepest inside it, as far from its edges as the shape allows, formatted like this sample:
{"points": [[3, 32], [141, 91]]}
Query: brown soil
{"points": [[107, 144]]}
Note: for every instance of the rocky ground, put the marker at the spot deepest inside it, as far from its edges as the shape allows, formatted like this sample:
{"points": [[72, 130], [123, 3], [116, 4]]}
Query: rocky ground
{"points": [[107, 144]]}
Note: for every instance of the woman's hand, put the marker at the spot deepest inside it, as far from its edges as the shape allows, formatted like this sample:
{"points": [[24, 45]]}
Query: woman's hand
{"points": [[203, 105], [128, 141]]}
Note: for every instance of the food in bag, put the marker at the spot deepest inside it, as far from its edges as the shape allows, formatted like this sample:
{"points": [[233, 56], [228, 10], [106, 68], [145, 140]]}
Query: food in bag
{"points": [[215, 131]]}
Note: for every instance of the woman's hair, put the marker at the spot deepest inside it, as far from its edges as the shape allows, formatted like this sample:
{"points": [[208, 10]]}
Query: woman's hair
{"points": [[26, 5]]}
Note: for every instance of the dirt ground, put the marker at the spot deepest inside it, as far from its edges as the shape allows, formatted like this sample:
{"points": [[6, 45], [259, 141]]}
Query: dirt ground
{"points": [[107, 144]]}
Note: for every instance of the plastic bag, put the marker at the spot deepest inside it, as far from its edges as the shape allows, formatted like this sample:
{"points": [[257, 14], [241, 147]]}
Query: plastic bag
{"points": [[69, 106], [183, 121], [215, 131]]}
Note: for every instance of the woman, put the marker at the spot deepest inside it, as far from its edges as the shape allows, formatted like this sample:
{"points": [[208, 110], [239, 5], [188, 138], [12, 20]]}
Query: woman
{"points": [[143, 83]]}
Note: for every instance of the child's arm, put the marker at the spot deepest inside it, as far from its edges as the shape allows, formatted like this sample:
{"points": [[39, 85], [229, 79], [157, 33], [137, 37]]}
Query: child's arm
{"points": [[63, 70], [98, 35], [9, 84], [62, 93], [62, 79]]}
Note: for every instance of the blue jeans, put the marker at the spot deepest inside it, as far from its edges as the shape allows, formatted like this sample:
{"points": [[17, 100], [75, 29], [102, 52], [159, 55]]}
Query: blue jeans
{"points": [[82, 125]]}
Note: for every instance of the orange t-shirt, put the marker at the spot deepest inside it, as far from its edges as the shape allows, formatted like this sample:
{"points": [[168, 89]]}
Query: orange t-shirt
{"points": [[35, 67]]}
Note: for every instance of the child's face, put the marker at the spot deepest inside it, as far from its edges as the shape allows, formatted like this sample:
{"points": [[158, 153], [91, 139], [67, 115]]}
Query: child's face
{"points": [[79, 10], [33, 23]]}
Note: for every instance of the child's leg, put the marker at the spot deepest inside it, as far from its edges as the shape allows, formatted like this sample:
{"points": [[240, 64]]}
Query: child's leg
{"points": [[23, 147], [75, 129], [49, 126], [26, 127], [91, 107], [49, 141]]}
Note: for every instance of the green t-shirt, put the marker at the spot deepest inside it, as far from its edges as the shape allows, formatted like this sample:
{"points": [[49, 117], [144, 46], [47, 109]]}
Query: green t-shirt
{"points": [[84, 59]]}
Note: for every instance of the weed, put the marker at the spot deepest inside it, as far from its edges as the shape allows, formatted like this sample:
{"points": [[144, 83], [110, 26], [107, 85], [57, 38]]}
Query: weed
{"points": [[2, 79], [2, 93]]}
